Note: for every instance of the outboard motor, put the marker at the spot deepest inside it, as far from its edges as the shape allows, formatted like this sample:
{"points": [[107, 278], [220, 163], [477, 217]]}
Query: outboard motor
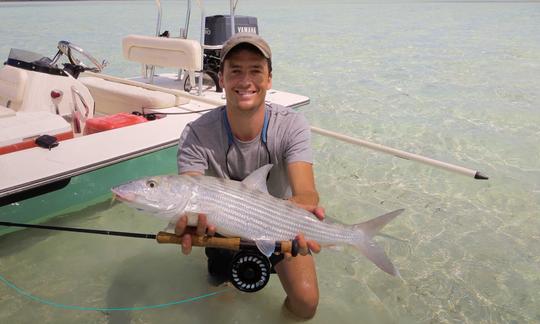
{"points": [[218, 28], [217, 32]]}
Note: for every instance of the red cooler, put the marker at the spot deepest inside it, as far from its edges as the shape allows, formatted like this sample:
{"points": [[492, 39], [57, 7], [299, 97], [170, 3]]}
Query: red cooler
{"points": [[105, 123]]}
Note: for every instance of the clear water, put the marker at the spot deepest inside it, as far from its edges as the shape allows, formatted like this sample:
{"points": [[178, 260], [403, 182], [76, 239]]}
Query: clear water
{"points": [[457, 82]]}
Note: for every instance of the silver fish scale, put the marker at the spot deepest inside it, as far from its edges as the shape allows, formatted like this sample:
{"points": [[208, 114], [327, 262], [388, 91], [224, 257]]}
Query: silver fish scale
{"points": [[240, 211]]}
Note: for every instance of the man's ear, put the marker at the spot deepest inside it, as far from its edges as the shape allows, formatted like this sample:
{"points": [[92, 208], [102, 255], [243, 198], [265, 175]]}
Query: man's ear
{"points": [[269, 81], [220, 77]]}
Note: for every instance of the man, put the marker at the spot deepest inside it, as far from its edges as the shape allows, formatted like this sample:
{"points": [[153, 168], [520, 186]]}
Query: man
{"points": [[247, 133]]}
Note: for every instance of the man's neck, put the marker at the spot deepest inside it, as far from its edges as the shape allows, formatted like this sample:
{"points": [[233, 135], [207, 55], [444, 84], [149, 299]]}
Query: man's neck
{"points": [[245, 126]]}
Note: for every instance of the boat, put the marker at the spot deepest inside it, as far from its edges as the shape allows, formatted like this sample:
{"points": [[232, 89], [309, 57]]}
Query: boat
{"points": [[62, 118]]}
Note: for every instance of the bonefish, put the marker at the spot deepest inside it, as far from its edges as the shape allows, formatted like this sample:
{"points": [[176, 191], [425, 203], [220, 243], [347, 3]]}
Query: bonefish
{"points": [[245, 209]]}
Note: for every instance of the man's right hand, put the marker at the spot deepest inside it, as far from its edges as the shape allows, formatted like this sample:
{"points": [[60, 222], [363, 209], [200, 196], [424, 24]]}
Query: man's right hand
{"points": [[203, 228]]}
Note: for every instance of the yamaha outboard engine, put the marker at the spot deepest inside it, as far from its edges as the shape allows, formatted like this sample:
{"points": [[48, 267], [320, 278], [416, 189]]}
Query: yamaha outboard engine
{"points": [[218, 28], [217, 32]]}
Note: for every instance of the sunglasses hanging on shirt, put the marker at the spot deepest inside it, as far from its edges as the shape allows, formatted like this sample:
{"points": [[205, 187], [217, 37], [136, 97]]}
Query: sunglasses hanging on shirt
{"points": [[230, 140]]}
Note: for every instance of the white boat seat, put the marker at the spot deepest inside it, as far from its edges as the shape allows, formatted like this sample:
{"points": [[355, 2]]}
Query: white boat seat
{"points": [[12, 86], [162, 51], [6, 112], [19, 131], [113, 97]]}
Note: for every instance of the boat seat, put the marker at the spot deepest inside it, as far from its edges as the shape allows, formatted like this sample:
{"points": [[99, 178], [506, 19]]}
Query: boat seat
{"points": [[12, 86], [20, 130], [6, 112], [113, 97], [162, 51]]}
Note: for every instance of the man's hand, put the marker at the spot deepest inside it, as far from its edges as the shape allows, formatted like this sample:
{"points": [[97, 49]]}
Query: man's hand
{"points": [[315, 210], [202, 228]]}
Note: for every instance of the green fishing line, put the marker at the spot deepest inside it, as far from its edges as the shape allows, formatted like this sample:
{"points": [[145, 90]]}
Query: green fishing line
{"points": [[106, 309]]}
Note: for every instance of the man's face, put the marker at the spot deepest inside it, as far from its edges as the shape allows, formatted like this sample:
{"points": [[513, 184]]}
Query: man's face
{"points": [[245, 78]]}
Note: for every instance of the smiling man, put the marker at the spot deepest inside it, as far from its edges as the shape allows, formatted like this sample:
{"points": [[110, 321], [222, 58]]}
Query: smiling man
{"points": [[234, 140]]}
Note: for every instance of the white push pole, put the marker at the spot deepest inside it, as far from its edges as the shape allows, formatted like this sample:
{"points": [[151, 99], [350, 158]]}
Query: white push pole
{"points": [[402, 154], [232, 9], [158, 25]]}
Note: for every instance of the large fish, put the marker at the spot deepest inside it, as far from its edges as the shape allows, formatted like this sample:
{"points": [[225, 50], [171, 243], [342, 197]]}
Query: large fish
{"points": [[245, 209]]}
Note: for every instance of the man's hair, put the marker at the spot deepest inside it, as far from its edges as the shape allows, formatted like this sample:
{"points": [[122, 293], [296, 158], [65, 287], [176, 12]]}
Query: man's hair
{"points": [[247, 47]]}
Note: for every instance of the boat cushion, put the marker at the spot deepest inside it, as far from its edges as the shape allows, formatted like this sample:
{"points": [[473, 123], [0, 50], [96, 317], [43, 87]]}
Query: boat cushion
{"points": [[20, 131], [12, 86], [162, 51], [6, 112], [113, 97]]}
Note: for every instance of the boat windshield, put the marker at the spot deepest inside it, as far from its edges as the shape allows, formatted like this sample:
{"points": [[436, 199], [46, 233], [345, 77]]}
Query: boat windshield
{"points": [[32, 61]]}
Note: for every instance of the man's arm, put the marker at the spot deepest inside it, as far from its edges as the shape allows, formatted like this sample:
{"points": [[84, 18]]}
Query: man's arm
{"points": [[302, 183]]}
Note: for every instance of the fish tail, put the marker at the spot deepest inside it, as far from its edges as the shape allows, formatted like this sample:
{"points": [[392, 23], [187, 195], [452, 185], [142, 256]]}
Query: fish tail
{"points": [[369, 248]]}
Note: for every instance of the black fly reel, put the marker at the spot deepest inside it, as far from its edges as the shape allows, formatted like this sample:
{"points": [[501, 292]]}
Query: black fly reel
{"points": [[246, 268], [249, 271]]}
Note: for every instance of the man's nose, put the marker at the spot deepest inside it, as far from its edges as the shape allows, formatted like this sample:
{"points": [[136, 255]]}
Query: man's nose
{"points": [[244, 78]]}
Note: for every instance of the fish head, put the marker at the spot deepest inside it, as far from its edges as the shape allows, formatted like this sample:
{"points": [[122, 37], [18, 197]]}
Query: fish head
{"points": [[157, 195]]}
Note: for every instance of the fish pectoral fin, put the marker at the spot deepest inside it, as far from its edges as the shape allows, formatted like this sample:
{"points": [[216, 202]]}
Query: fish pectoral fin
{"points": [[193, 213], [257, 179], [266, 247], [172, 223], [192, 219]]}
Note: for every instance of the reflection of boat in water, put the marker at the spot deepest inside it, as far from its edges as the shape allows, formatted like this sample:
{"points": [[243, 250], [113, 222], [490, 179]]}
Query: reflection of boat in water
{"points": [[92, 120]]}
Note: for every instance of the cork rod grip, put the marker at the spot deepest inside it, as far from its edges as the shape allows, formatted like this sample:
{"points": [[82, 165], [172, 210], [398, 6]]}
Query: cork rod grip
{"points": [[196, 240], [229, 243]]}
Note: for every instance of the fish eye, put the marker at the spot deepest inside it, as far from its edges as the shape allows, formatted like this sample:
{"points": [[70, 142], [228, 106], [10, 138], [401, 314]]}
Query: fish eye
{"points": [[151, 184]]}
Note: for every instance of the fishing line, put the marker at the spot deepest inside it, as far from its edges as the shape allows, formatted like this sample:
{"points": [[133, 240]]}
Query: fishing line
{"points": [[30, 296]]}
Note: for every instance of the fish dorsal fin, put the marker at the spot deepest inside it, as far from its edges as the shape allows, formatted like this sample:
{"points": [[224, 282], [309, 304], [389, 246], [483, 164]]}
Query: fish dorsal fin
{"points": [[257, 179], [266, 247]]}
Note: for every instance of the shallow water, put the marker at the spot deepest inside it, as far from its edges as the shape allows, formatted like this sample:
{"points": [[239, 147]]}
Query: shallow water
{"points": [[457, 82]]}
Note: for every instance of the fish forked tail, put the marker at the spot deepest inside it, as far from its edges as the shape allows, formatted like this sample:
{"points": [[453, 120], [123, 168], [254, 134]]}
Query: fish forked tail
{"points": [[369, 248]]}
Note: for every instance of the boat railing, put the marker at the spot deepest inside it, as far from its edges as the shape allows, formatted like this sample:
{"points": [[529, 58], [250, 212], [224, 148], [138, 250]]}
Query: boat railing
{"points": [[182, 73]]}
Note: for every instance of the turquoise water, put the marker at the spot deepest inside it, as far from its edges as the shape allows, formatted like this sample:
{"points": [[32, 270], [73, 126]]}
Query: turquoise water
{"points": [[457, 82]]}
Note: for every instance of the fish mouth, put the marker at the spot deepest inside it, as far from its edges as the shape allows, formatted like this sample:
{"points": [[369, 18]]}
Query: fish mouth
{"points": [[130, 198], [122, 196]]}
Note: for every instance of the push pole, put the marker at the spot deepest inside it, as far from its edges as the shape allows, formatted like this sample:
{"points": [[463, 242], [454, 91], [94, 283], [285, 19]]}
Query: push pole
{"points": [[402, 154]]}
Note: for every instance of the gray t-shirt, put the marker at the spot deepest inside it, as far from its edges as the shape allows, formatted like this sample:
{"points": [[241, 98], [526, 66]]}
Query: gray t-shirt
{"points": [[204, 147]]}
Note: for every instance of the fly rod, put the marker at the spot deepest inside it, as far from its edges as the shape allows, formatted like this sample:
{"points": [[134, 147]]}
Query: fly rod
{"points": [[229, 243], [402, 154], [248, 271]]}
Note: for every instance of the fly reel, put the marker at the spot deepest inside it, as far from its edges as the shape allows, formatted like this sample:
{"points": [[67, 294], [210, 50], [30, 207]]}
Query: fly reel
{"points": [[249, 271]]}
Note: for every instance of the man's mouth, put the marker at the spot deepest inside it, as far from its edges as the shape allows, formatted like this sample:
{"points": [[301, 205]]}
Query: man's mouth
{"points": [[246, 93]]}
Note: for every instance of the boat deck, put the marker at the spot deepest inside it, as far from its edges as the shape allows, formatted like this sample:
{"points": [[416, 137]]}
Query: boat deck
{"points": [[34, 167]]}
